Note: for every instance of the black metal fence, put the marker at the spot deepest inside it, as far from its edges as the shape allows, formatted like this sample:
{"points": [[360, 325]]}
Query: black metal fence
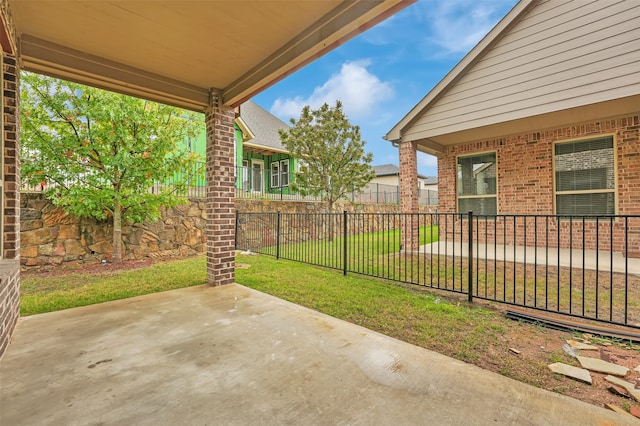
{"points": [[581, 266], [263, 184], [275, 185]]}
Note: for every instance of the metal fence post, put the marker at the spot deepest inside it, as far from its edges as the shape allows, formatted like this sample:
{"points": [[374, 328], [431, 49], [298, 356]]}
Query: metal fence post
{"points": [[278, 237], [470, 288], [235, 234], [344, 242]]}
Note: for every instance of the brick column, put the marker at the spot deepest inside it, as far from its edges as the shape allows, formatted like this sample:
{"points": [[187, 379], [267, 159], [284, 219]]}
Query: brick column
{"points": [[220, 193], [409, 195], [10, 262]]}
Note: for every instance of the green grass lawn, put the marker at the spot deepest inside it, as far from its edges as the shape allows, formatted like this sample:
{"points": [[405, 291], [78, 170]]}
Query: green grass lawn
{"points": [[408, 314], [41, 293], [405, 313]]}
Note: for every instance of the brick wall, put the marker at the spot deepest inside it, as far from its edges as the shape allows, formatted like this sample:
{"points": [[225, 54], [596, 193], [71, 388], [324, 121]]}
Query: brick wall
{"points": [[9, 265], [409, 193], [526, 184], [220, 193]]}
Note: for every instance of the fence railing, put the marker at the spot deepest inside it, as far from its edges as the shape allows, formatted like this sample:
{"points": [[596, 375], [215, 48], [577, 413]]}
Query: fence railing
{"points": [[580, 266], [265, 184], [262, 184]]}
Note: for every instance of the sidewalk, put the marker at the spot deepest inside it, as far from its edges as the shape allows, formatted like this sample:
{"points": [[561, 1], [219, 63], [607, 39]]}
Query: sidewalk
{"points": [[538, 255]]}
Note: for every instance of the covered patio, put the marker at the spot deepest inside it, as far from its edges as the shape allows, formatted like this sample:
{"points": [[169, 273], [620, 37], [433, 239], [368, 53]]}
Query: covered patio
{"points": [[230, 355], [205, 56]]}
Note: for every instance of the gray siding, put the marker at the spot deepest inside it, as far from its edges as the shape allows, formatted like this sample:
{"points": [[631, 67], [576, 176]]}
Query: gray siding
{"points": [[561, 54]]}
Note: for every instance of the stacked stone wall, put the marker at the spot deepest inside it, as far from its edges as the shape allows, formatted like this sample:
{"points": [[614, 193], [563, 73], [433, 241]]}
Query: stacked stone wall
{"points": [[50, 237]]}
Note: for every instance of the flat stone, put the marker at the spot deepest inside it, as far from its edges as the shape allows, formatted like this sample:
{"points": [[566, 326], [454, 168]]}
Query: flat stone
{"points": [[635, 411], [580, 345], [616, 409], [596, 364], [571, 371], [629, 387], [29, 251]]}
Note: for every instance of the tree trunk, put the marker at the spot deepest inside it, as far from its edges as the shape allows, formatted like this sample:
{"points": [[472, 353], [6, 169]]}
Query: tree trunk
{"points": [[116, 257], [332, 227]]}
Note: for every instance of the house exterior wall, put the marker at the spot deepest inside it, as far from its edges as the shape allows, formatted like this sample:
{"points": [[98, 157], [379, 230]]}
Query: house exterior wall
{"points": [[267, 160], [526, 181], [10, 224], [560, 55], [386, 180]]}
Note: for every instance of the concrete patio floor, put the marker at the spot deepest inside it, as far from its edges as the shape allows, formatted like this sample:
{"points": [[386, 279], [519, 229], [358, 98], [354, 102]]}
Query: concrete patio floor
{"points": [[234, 356]]}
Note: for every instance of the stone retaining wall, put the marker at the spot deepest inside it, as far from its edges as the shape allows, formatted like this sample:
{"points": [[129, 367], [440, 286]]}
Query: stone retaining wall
{"points": [[51, 237]]}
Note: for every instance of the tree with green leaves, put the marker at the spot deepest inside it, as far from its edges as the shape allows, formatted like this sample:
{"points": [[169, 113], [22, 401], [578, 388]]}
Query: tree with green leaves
{"points": [[98, 153], [334, 161]]}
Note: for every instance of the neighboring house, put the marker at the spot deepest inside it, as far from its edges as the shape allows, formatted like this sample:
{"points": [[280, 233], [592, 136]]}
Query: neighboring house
{"points": [[262, 163], [541, 117], [430, 183], [389, 174], [385, 187]]}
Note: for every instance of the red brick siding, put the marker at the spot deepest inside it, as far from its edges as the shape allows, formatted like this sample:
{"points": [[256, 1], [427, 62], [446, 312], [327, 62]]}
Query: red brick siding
{"points": [[220, 194], [525, 183], [9, 265], [409, 193]]}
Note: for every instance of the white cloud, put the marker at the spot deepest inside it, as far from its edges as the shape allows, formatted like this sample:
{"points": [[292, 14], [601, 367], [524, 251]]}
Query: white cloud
{"points": [[427, 160], [458, 25], [360, 91]]}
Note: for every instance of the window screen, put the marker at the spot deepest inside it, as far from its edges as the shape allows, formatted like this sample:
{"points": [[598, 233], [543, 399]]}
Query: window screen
{"points": [[585, 177], [477, 184]]}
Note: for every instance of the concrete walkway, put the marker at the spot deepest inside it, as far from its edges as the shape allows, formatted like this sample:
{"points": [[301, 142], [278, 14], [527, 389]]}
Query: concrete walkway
{"points": [[235, 356], [538, 255]]}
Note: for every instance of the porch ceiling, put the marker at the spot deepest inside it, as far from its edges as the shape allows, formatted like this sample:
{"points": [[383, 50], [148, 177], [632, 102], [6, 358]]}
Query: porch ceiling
{"points": [[177, 51]]}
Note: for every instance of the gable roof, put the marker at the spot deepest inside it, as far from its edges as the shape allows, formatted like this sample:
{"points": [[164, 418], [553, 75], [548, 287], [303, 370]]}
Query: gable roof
{"points": [[264, 126], [545, 64], [389, 170], [431, 180]]}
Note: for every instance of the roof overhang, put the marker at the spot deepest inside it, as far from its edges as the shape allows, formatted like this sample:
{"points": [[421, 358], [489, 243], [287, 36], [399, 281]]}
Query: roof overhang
{"points": [[437, 143], [261, 149], [179, 52], [247, 134]]}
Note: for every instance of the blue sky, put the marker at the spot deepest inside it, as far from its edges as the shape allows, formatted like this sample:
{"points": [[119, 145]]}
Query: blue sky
{"points": [[381, 74]]}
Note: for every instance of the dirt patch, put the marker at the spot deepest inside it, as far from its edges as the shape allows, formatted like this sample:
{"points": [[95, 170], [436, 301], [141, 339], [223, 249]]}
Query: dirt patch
{"points": [[539, 346]]}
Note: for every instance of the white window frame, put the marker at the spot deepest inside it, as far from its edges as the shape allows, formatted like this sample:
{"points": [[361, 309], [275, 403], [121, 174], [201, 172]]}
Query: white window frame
{"points": [[245, 175], [481, 196], [257, 165], [275, 174], [284, 172], [613, 190]]}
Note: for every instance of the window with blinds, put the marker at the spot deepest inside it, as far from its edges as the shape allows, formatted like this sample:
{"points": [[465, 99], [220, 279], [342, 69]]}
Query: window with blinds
{"points": [[585, 177], [477, 184]]}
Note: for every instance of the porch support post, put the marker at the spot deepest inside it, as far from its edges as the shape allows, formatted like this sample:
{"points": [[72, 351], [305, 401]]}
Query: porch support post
{"points": [[220, 192], [409, 195]]}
